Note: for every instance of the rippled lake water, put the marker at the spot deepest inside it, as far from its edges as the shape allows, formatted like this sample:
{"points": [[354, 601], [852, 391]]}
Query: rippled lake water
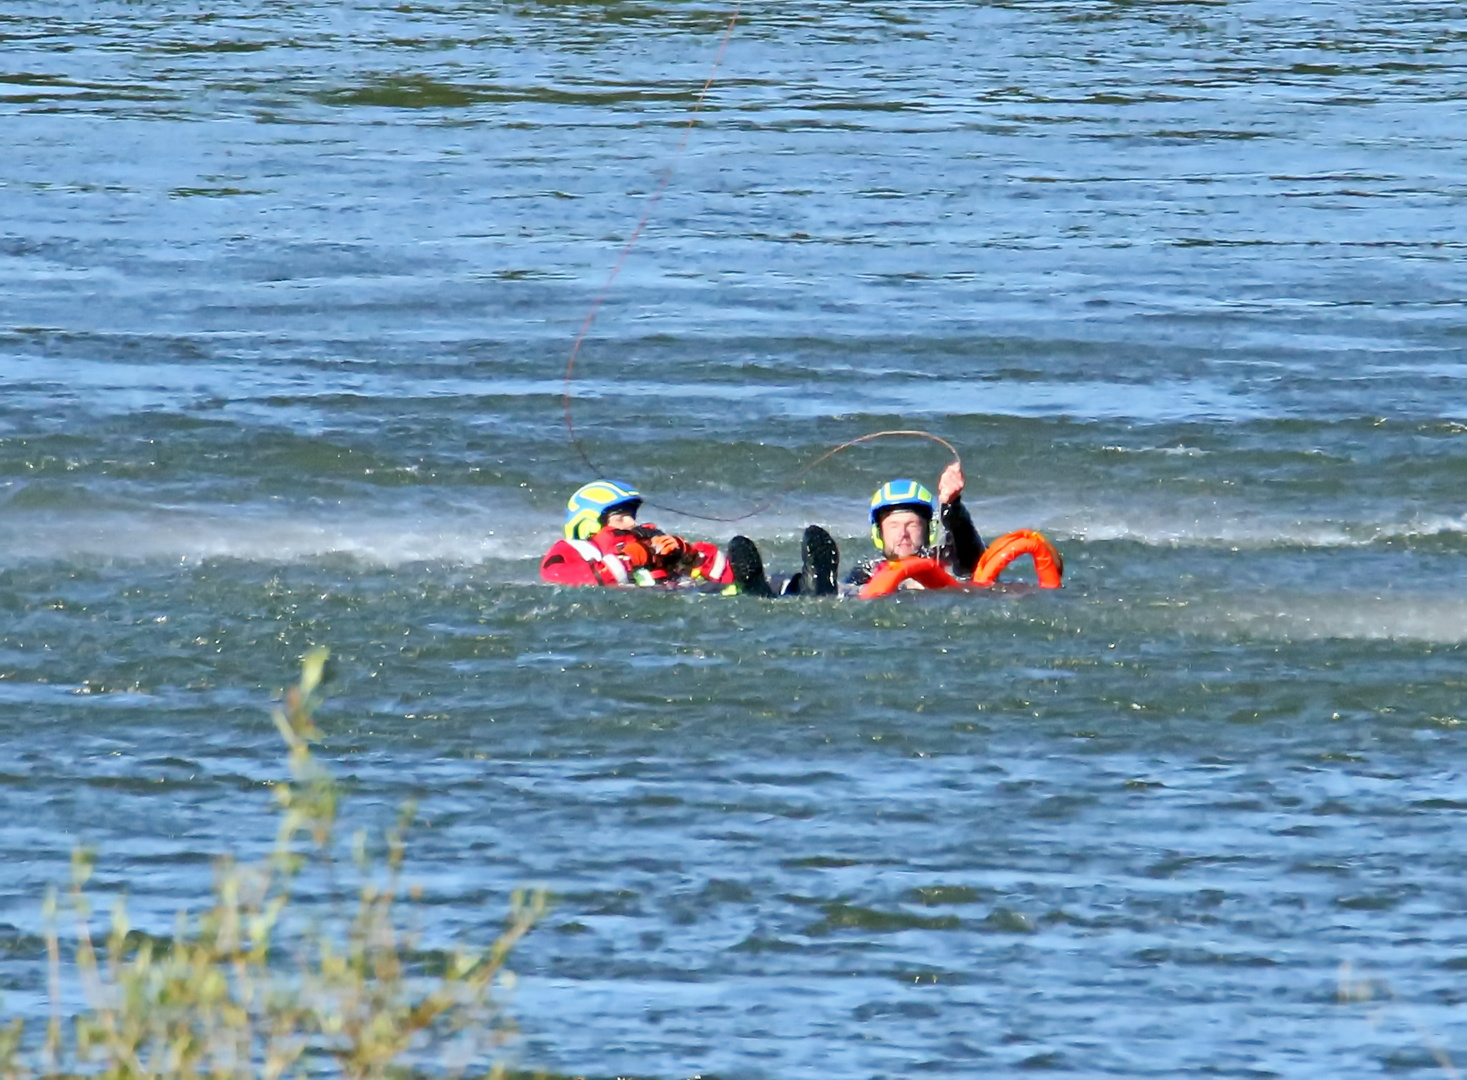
{"points": [[287, 297]]}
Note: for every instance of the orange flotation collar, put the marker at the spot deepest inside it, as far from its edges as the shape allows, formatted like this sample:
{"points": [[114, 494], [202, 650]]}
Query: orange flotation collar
{"points": [[931, 574], [1048, 565]]}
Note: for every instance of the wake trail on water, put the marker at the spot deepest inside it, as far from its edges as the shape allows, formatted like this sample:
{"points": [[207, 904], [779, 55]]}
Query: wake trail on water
{"points": [[508, 532], [186, 537], [1301, 617], [1261, 533]]}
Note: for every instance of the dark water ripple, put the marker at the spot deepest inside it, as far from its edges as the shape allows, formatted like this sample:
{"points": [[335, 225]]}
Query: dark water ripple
{"points": [[288, 298]]}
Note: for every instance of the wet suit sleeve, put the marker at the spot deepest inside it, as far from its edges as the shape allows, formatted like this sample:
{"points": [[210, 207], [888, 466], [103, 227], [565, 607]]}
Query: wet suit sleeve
{"points": [[862, 571], [961, 546]]}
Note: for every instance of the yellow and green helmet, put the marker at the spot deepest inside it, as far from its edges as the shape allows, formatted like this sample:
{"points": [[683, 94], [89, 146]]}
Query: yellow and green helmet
{"points": [[901, 495], [586, 510]]}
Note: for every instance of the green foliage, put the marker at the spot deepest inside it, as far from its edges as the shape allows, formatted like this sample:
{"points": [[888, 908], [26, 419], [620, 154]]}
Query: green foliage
{"points": [[252, 988]]}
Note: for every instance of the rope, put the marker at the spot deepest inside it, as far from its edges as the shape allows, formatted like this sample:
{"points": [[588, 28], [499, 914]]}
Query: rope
{"points": [[570, 365], [799, 477]]}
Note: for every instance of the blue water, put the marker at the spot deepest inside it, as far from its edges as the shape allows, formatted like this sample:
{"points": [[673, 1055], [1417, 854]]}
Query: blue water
{"points": [[288, 301]]}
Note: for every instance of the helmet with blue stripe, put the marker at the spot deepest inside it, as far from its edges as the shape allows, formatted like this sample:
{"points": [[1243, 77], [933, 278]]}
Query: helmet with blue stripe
{"points": [[586, 511], [901, 495]]}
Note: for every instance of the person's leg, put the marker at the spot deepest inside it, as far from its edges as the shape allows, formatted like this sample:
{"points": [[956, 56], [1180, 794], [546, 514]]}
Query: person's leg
{"points": [[748, 567], [819, 563]]}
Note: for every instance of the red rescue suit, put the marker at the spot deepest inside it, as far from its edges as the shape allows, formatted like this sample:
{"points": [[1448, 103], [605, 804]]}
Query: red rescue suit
{"points": [[642, 556]]}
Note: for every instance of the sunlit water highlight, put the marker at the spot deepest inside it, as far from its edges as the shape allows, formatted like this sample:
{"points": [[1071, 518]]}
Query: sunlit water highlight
{"points": [[287, 298]]}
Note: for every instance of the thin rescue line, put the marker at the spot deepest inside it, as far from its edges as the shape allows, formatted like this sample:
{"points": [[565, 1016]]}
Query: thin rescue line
{"points": [[626, 249], [799, 477], [605, 290]]}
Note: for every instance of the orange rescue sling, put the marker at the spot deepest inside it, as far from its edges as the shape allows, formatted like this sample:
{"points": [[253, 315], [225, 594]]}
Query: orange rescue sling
{"points": [[1048, 565], [931, 574]]}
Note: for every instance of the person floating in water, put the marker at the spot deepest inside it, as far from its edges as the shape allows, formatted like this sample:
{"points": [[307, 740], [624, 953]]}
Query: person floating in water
{"points": [[904, 525], [604, 545]]}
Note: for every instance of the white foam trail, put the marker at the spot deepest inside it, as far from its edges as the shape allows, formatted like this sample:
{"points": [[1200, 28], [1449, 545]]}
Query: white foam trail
{"points": [[1164, 451], [1219, 532], [518, 534], [375, 537], [192, 536], [1420, 617], [1210, 526], [1257, 534]]}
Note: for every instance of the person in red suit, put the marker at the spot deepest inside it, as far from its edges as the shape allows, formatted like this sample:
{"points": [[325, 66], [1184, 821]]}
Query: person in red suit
{"points": [[605, 545]]}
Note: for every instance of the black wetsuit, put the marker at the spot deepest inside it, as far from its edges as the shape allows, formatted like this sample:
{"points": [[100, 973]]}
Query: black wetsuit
{"points": [[959, 546]]}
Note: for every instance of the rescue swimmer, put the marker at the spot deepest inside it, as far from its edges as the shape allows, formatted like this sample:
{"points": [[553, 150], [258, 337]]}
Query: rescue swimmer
{"points": [[605, 545], [905, 524], [905, 530], [921, 542]]}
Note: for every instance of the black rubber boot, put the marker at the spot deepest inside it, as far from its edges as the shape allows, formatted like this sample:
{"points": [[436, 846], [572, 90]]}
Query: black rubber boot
{"points": [[748, 567], [820, 563]]}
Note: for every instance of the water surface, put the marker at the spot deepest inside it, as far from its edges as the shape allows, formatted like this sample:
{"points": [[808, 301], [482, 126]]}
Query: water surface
{"points": [[288, 298]]}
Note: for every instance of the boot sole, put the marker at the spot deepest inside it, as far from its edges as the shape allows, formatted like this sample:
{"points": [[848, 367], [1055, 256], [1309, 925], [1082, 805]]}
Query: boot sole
{"points": [[748, 567], [820, 562]]}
